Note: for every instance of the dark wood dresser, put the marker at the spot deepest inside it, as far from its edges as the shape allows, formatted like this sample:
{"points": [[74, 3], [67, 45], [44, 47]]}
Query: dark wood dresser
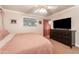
{"points": [[66, 37]]}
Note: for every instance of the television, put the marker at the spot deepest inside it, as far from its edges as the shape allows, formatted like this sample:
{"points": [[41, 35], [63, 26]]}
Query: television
{"points": [[64, 23]]}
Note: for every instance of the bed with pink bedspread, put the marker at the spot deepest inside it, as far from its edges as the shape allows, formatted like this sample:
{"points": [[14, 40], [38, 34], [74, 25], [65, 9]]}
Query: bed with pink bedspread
{"points": [[3, 33], [28, 43]]}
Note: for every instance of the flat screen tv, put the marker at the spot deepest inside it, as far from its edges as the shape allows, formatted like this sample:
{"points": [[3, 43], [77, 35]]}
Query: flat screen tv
{"points": [[62, 23]]}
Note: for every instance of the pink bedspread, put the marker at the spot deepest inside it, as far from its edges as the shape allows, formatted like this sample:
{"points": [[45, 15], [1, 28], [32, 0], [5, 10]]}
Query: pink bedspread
{"points": [[28, 44]]}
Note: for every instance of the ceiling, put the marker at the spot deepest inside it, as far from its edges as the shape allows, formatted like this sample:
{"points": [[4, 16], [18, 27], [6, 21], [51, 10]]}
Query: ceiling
{"points": [[31, 8]]}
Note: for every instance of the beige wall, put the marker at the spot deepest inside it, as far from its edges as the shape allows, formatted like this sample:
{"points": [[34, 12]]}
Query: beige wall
{"points": [[71, 12], [18, 27]]}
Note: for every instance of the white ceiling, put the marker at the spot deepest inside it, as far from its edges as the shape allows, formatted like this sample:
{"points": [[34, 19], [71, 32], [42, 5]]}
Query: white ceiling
{"points": [[31, 8]]}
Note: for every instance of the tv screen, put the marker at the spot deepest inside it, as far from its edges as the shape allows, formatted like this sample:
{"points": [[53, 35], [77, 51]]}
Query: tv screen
{"points": [[62, 23]]}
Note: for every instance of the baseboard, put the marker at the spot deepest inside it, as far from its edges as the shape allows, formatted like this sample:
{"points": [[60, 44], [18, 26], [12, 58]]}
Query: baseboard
{"points": [[76, 45]]}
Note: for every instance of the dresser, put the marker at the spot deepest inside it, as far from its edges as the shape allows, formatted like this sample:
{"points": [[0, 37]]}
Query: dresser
{"points": [[64, 36]]}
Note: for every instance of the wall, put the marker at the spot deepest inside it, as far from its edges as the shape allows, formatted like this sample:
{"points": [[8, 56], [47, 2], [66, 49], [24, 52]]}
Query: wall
{"points": [[18, 27], [71, 12]]}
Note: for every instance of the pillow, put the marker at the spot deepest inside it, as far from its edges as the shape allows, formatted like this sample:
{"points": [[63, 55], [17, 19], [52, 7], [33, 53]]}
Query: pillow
{"points": [[3, 33]]}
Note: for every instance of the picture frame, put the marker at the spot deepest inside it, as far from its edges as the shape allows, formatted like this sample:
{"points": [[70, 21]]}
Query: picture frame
{"points": [[13, 21], [40, 22]]}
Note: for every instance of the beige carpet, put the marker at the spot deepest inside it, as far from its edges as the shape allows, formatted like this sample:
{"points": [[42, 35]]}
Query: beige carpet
{"points": [[63, 49]]}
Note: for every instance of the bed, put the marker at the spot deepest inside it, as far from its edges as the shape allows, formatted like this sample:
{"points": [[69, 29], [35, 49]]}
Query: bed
{"points": [[26, 43], [3, 33]]}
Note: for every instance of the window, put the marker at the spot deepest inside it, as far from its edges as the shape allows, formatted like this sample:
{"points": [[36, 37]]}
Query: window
{"points": [[29, 22]]}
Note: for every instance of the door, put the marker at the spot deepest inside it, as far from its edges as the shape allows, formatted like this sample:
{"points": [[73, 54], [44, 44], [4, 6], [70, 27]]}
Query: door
{"points": [[0, 19], [46, 28]]}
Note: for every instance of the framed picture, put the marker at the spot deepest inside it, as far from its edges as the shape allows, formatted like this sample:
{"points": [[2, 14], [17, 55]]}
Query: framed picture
{"points": [[13, 21], [40, 22]]}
